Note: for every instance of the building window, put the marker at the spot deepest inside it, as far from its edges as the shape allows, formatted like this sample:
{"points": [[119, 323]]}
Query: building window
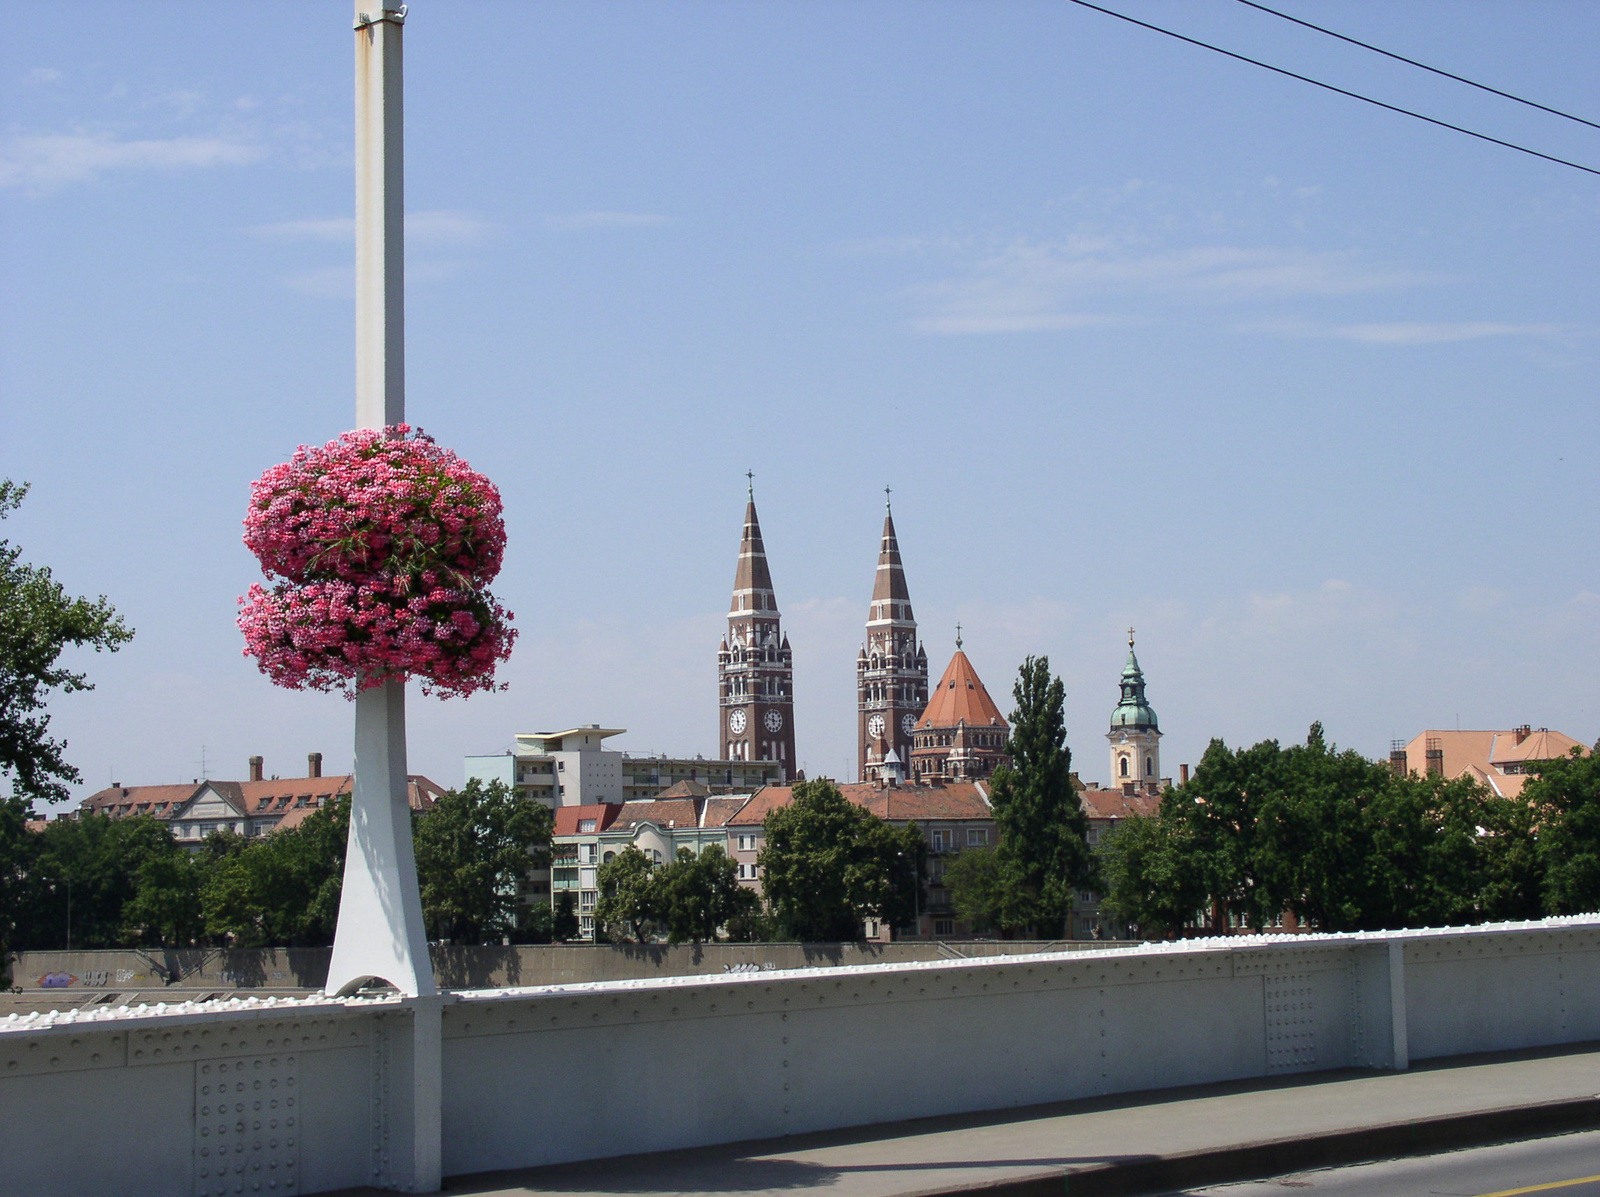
{"points": [[747, 843], [940, 840], [586, 900], [1149, 766], [977, 837], [1123, 765], [586, 926], [585, 825], [587, 853], [944, 926]]}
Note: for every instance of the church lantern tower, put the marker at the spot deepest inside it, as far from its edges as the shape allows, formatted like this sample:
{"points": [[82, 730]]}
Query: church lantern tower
{"points": [[1135, 736], [755, 669], [891, 670]]}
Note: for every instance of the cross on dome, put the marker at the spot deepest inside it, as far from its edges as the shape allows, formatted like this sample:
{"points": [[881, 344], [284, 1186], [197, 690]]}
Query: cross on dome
{"points": [[750, 482], [1130, 637], [958, 637]]}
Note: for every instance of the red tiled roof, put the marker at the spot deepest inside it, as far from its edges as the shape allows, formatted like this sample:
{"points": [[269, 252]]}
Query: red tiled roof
{"points": [[249, 798], [718, 812], [961, 800], [674, 812], [687, 788], [568, 817], [1114, 804], [960, 697]]}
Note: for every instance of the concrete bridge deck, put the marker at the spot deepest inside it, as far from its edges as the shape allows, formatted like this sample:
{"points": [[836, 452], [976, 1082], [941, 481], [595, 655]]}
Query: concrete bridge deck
{"points": [[1140, 1143]]}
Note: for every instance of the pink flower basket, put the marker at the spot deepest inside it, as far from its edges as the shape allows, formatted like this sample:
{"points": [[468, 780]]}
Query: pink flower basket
{"points": [[383, 545]]}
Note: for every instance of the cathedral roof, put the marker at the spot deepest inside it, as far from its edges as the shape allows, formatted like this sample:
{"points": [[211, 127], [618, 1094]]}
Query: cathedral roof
{"points": [[890, 582], [753, 576], [960, 696]]}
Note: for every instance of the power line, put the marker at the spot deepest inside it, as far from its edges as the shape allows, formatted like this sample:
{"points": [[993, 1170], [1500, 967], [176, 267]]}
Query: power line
{"points": [[1424, 66], [1267, 66]]}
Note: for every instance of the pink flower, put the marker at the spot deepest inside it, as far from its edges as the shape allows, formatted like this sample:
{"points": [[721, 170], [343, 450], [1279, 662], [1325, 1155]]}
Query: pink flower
{"points": [[384, 545]]}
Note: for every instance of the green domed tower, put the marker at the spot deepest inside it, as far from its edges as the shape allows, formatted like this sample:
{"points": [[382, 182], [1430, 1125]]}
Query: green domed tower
{"points": [[1135, 735]]}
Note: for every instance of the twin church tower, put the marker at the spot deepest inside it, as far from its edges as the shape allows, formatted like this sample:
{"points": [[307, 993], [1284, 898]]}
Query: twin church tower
{"points": [[755, 668], [900, 734]]}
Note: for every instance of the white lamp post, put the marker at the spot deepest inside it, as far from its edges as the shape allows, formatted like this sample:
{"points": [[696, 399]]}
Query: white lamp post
{"points": [[380, 931]]}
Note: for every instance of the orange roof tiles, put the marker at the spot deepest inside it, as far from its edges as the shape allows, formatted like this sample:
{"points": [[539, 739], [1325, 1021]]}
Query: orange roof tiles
{"points": [[1114, 804], [568, 818], [960, 697], [960, 800]]}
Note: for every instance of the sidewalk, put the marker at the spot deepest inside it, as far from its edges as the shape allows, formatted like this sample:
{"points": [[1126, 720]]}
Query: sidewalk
{"points": [[1150, 1143]]}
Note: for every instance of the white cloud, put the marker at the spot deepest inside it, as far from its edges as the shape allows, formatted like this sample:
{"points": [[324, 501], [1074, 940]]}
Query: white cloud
{"points": [[43, 162], [1435, 333], [977, 322], [577, 221], [1413, 332], [330, 282], [1038, 284], [43, 75], [422, 228], [334, 228]]}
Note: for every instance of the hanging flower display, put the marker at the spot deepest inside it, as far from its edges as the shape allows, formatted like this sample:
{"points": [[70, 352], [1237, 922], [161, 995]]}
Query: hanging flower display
{"points": [[382, 546]]}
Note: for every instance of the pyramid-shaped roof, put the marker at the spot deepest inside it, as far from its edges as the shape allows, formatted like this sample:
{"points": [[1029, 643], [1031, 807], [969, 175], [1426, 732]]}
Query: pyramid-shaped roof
{"points": [[959, 697], [752, 576]]}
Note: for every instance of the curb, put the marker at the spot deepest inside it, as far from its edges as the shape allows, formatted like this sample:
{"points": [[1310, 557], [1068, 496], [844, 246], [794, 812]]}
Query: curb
{"points": [[1144, 1175]]}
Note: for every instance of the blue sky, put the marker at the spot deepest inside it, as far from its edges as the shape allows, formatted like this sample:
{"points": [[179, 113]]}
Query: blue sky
{"points": [[1301, 389]]}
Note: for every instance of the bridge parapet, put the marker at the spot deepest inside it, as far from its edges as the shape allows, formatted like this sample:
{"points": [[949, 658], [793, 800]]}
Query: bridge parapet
{"points": [[149, 1100]]}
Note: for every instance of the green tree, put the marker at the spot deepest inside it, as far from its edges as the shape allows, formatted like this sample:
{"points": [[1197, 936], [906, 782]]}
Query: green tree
{"points": [[629, 897], [697, 894], [828, 865], [1219, 812], [1151, 875], [474, 848], [1565, 794], [1313, 851], [977, 887], [564, 919], [86, 876], [1044, 850], [281, 890], [38, 621]]}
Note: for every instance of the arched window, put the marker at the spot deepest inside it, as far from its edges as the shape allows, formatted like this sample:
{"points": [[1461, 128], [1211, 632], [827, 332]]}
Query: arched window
{"points": [[1124, 764], [1149, 766]]}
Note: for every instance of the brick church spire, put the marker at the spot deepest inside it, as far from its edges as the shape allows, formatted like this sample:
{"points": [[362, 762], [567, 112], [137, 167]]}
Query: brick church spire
{"points": [[755, 669], [891, 669]]}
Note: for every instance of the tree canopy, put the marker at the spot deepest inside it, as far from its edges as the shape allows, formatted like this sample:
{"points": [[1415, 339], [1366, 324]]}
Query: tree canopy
{"points": [[829, 865], [1043, 854], [474, 849], [38, 622], [1343, 844]]}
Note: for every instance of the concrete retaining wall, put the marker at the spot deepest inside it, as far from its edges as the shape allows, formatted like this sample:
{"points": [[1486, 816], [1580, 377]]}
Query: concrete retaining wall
{"points": [[480, 967], [392, 1092]]}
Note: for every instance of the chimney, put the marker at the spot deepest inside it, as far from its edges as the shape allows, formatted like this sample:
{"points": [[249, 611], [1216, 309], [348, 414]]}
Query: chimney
{"points": [[1399, 763], [1522, 733], [1183, 775], [255, 768], [313, 764]]}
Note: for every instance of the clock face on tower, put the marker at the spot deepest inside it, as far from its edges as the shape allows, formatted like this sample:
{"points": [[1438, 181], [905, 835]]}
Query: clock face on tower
{"points": [[909, 722], [774, 721], [875, 726], [736, 722]]}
